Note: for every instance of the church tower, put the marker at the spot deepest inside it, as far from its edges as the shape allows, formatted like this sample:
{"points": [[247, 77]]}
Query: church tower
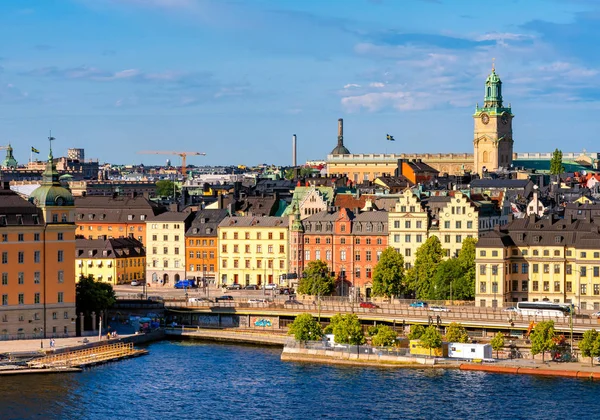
{"points": [[492, 141]]}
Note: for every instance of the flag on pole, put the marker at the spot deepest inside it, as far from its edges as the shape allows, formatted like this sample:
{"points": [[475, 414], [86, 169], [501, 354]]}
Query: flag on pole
{"points": [[390, 138], [34, 150]]}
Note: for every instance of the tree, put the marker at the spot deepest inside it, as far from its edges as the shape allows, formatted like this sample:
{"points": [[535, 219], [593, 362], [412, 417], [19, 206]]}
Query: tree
{"points": [[93, 296], [317, 279], [464, 286], [416, 331], [347, 329], [497, 342], [556, 166], [382, 335], [429, 255], [431, 339], [388, 275], [444, 278], [590, 345], [456, 333], [305, 327], [165, 188], [542, 338]]}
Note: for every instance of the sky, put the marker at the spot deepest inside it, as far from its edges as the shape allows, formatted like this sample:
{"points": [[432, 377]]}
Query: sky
{"points": [[236, 79]]}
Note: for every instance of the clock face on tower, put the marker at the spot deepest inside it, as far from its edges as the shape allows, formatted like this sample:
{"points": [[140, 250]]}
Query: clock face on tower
{"points": [[504, 118], [485, 118]]}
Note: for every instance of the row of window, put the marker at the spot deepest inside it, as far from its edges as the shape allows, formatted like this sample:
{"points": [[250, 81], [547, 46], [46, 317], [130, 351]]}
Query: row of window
{"points": [[165, 226], [36, 237], [36, 257], [357, 241], [110, 228], [36, 298], [203, 242], [270, 235], [176, 264], [92, 216], [343, 255], [166, 238], [203, 254], [545, 253], [202, 267], [36, 278], [535, 287], [546, 268], [36, 316], [165, 250], [236, 249], [248, 264]]}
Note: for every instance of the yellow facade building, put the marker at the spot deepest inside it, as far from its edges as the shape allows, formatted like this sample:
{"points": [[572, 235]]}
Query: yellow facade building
{"points": [[533, 259], [253, 250], [114, 261]]}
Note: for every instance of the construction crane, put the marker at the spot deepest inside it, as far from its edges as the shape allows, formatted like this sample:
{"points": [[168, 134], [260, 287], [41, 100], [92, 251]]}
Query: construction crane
{"points": [[182, 154]]}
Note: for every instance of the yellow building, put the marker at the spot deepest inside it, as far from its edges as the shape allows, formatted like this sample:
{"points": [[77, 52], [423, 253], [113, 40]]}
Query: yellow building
{"points": [[253, 250], [413, 221], [533, 259], [165, 247], [114, 261]]}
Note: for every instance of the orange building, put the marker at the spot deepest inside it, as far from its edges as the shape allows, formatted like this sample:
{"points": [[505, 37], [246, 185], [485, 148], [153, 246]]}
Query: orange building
{"points": [[201, 247], [349, 243], [108, 217], [37, 266]]}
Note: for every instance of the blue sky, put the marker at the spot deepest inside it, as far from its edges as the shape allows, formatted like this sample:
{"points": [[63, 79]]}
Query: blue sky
{"points": [[236, 79]]}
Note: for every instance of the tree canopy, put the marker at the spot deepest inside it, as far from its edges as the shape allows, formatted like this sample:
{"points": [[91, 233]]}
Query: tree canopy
{"points": [[93, 296], [382, 336], [497, 342], [416, 331], [388, 275], [542, 338], [431, 338], [317, 279], [456, 275], [347, 329], [165, 188], [305, 327], [456, 333], [556, 166], [590, 345], [429, 255]]}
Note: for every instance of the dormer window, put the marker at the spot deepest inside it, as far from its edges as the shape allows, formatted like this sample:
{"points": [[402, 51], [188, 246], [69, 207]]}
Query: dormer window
{"points": [[91, 216], [36, 219], [130, 217], [2, 220], [19, 219], [142, 217], [195, 231], [208, 230]]}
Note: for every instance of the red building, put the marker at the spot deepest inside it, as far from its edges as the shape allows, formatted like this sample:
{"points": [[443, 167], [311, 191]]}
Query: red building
{"points": [[349, 243]]}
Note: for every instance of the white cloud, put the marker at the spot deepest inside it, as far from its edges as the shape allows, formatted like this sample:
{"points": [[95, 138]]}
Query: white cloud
{"points": [[376, 84], [351, 85], [401, 100]]}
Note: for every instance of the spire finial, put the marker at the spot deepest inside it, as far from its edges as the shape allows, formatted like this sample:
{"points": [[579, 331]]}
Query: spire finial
{"points": [[493, 65], [50, 140]]}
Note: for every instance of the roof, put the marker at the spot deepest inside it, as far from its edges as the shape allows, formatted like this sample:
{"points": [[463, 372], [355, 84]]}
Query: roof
{"points": [[395, 181], [206, 222], [119, 209], [109, 248], [174, 216], [543, 165], [500, 183], [12, 205], [351, 201], [254, 221]]}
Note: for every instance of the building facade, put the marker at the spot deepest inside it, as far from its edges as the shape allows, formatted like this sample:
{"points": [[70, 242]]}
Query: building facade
{"points": [[201, 248], [253, 250], [114, 261], [533, 259], [165, 247]]}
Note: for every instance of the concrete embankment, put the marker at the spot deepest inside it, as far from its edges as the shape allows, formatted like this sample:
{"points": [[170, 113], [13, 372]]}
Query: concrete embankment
{"points": [[570, 372], [291, 354], [231, 336]]}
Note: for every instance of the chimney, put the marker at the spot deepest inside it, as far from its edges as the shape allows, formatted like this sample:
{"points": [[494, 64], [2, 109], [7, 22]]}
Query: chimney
{"points": [[221, 201], [294, 163], [341, 128]]}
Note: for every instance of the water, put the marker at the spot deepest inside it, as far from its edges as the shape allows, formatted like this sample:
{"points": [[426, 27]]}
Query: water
{"points": [[195, 380]]}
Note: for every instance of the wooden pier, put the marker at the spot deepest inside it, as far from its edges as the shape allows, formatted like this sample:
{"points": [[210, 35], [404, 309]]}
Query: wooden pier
{"points": [[87, 357]]}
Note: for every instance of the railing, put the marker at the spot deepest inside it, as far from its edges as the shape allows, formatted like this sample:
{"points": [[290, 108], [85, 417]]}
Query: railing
{"points": [[85, 356], [349, 348]]}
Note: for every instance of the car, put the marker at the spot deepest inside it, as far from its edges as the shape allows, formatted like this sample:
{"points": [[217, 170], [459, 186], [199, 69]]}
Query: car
{"points": [[257, 300], [418, 304], [292, 302], [595, 315], [271, 286], [136, 283], [439, 309], [199, 300], [234, 287], [510, 309], [224, 298], [184, 284], [369, 305], [286, 291], [251, 287]]}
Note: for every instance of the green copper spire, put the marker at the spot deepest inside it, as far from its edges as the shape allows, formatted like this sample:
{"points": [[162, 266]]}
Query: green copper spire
{"points": [[493, 90], [10, 162], [297, 224]]}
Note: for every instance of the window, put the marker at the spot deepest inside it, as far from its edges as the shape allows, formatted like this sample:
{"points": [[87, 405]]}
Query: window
{"points": [[447, 239], [66, 315], [368, 256], [60, 236], [61, 276], [54, 315], [5, 237], [356, 255], [259, 249], [4, 300], [482, 287], [535, 268], [21, 257], [482, 269], [458, 224], [419, 238], [569, 269], [21, 278], [557, 286], [524, 285], [61, 256], [515, 285], [318, 241], [396, 224], [343, 241], [584, 289], [368, 272], [357, 272], [596, 289], [343, 255], [447, 224], [407, 238], [407, 252], [307, 255], [419, 224], [458, 239], [327, 255], [583, 271], [583, 255], [482, 253], [258, 235], [556, 268], [281, 249], [524, 268], [36, 277], [368, 241], [515, 268], [546, 268], [596, 271], [21, 237], [535, 286], [36, 256], [224, 235], [36, 298], [21, 299], [407, 224], [494, 253], [469, 225], [596, 254], [396, 238], [494, 270]]}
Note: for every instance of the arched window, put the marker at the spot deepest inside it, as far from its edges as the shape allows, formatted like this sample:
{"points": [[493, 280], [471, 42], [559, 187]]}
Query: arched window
{"points": [[485, 157], [489, 91]]}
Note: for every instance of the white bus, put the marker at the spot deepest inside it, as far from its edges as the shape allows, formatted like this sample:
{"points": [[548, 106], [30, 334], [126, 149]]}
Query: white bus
{"points": [[548, 309]]}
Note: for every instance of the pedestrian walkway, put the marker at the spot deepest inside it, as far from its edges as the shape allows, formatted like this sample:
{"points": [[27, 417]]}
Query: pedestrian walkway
{"points": [[15, 346]]}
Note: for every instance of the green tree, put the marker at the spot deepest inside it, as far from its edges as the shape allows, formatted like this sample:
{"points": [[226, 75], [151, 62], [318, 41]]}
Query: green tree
{"points": [[542, 338], [165, 188], [93, 296], [590, 345], [444, 278], [497, 342], [347, 329], [428, 257], [388, 275], [305, 327], [456, 333], [431, 339], [317, 279], [383, 336], [416, 331], [464, 286], [556, 166]]}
